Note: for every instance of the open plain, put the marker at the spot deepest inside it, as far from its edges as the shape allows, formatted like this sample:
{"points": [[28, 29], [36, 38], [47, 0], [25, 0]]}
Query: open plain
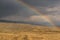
{"points": [[19, 31]]}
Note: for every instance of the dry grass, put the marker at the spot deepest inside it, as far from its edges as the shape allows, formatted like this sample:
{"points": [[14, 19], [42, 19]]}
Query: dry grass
{"points": [[14, 31]]}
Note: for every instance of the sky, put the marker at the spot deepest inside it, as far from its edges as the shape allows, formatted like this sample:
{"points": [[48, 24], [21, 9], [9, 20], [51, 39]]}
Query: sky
{"points": [[43, 12]]}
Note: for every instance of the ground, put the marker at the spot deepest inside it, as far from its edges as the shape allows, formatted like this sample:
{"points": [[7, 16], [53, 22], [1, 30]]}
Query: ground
{"points": [[18, 31]]}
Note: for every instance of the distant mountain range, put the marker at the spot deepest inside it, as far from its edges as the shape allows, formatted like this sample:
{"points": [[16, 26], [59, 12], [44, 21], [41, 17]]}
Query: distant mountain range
{"points": [[24, 22]]}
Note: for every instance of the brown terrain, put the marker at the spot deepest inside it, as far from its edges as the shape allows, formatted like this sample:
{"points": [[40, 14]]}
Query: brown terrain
{"points": [[18, 31]]}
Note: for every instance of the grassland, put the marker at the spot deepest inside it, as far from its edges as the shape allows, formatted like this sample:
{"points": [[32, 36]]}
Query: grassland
{"points": [[18, 31]]}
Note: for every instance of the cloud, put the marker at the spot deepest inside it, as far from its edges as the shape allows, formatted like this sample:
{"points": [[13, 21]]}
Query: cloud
{"points": [[12, 7], [40, 2], [8, 7], [16, 11], [47, 7], [53, 11], [55, 19], [37, 19]]}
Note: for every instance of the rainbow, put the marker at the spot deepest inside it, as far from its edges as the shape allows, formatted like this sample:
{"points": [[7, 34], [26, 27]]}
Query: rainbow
{"points": [[38, 12]]}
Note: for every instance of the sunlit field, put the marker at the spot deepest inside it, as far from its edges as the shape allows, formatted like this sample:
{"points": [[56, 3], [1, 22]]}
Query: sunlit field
{"points": [[18, 31]]}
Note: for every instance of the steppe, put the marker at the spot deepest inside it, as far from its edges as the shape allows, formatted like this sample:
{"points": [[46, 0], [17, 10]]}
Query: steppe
{"points": [[20, 31]]}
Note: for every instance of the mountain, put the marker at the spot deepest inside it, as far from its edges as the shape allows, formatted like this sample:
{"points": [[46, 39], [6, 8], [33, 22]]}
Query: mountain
{"points": [[24, 22]]}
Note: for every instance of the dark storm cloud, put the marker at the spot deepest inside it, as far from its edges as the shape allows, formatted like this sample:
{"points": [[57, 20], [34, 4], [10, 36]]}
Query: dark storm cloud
{"points": [[12, 7], [16, 11], [39, 2], [8, 7], [43, 5], [47, 7]]}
